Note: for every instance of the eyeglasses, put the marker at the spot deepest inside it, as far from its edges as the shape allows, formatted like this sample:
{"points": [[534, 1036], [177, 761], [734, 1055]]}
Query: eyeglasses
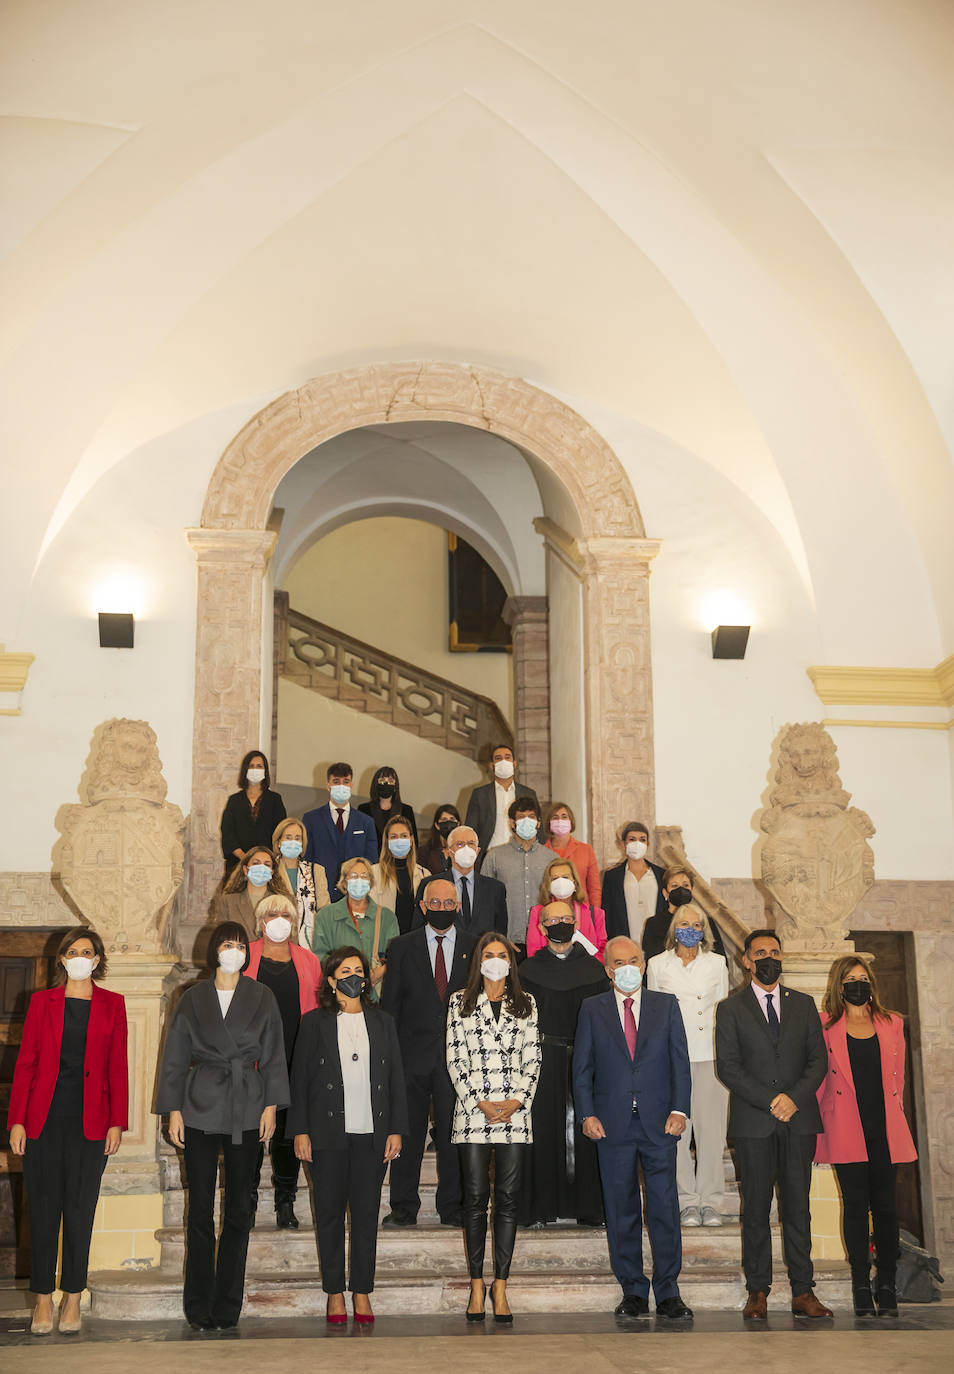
{"points": [[435, 904]]}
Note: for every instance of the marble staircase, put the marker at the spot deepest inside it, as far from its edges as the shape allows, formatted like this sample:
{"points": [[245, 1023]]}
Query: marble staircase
{"points": [[422, 1269]]}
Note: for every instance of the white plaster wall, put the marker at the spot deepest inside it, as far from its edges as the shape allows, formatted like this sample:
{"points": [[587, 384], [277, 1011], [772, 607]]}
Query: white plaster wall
{"points": [[567, 734]]}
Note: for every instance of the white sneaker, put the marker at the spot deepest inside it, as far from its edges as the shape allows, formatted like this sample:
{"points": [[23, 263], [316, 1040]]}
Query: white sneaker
{"points": [[710, 1217], [690, 1216]]}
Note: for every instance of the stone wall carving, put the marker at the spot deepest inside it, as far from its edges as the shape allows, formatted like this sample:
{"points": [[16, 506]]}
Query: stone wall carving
{"points": [[816, 861], [31, 900], [120, 858]]}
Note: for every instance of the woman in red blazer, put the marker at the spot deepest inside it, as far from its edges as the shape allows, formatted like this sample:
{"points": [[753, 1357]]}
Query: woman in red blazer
{"points": [[293, 974], [864, 1133], [68, 1109]]}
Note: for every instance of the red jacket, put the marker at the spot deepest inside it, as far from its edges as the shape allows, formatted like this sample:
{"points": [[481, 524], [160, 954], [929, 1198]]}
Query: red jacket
{"points": [[306, 964], [842, 1140], [106, 1082]]}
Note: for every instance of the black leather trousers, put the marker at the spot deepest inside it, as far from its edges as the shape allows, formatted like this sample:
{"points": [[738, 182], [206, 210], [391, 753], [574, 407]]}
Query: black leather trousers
{"points": [[475, 1187]]}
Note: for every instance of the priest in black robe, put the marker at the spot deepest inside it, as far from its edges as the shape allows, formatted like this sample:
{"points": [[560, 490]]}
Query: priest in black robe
{"points": [[562, 1177]]}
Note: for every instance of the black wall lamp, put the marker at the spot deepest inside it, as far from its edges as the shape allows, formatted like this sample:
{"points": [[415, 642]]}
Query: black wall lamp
{"points": [[729, 641], [117, 629]]}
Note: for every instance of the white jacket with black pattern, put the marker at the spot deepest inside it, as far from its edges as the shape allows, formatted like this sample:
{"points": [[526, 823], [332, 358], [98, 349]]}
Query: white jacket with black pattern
{"points": [[492, 1061]]}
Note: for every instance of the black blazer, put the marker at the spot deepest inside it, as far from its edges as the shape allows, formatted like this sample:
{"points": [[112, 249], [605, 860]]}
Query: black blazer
{"points": [[405, 812], [317, 1087], [613, 902], [409, 994], [755, 1070], [240, 831], [488, 907], [482, 808]]}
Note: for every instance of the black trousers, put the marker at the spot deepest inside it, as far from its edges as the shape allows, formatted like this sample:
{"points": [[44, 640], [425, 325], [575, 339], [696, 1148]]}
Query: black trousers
{"points": [[870, 1186], [782, 1160], [348, 1180], [475, 1176], [284, 1162], [62, 1171], [423, 1088], [215, 1283]]}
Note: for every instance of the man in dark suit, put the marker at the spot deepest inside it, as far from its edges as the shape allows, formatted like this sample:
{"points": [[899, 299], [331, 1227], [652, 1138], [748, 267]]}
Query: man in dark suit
{"points": [[424, 968], [631, 1085], [339, 831], [770, 1054], [489, 804], [483, 901]]}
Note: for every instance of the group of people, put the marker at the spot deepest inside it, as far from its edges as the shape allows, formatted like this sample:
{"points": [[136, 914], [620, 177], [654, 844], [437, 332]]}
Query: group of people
{"points": [[555, 1032]]}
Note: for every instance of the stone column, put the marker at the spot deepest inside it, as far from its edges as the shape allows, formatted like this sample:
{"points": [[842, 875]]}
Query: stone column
{"points": [[528, 619], [228, 688]]}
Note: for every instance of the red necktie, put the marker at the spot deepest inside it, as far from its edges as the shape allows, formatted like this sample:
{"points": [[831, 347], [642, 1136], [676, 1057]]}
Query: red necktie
{"points": [[339, 823], [629, 1026], [440, 968]]}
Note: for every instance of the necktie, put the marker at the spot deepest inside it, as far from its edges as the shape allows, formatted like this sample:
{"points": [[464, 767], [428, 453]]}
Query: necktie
{"points": [[629, 1026], [772, 1016], [465, 900], [440, 968], [339, 823]]}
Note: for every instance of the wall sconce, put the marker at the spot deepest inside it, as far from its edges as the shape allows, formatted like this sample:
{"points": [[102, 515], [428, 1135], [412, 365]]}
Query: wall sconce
{"points": [[117, 629], [729, 641]]}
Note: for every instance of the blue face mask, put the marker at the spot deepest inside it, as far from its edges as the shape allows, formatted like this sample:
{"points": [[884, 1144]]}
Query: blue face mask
{"points": [[400, 848], [627, 978], [259, 875], [340, 794], [291, 849], [688, 936], [526, 827], [358, 888]]}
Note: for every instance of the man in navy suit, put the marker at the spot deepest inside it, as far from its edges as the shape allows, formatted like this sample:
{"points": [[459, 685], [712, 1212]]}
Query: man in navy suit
{"points": [[339, 831], [631, 1084]]}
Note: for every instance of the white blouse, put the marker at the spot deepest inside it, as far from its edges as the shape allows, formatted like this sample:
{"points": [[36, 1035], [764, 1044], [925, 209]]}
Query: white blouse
{"points": [[698, 986], [355, 1055]]}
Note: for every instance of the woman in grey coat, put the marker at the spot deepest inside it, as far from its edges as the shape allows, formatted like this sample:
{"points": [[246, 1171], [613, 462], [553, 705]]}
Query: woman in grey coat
{"points": [[222, 1078]]}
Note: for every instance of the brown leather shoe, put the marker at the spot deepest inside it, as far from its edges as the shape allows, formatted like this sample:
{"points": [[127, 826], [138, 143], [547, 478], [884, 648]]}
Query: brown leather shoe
{"points": [[756, 1308], [807, 1305]]}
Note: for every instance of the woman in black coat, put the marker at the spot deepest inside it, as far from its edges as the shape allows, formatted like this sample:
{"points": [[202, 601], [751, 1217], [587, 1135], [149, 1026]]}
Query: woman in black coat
{"points": [[348, 1113], [252, 813]]}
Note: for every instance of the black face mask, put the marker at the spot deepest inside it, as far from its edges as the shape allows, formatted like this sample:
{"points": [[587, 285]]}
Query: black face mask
{"points": [[386, 790], [768, 970], [561, 932], [440, 920], [680, 896], [444, 828], [352, 985], [857, 993]]}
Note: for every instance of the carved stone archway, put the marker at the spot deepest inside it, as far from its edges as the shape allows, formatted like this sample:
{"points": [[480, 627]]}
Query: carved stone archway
{"points": [[233, 545]]}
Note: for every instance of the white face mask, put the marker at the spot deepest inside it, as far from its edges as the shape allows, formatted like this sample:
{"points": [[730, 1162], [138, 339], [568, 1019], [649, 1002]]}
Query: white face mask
{"points": [[231, 960], [562, 887], [278, 928], [255, 774], [503, 769], [635, 849], [79, 967], [495, 969], [466, 856]]}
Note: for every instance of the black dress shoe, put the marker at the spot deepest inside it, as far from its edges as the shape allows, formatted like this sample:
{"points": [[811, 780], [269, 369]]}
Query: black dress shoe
{"points": [[202, 1323], [595, 1223], [285, 1218], [453, 1219], [887, 1300], [633, 1306], [863, 1300], [673, 1309], [399, 1218]]}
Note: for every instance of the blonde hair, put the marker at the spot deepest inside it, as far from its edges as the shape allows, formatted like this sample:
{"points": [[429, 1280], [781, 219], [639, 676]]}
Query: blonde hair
{"points": [[238, 878], [386, 858], [546, 896], [280, 830], [690, 909], [347, 868], [273, 903]]}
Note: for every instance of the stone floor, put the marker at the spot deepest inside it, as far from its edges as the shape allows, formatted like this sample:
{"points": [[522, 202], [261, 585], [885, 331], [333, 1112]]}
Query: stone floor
{"points": [[922, 1339]]}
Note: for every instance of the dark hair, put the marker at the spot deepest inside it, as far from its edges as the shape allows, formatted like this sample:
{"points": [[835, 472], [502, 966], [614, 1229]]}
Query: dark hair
{"points": [[71, 936], [329, 967], [228, 930], [386, 772], [436, 836], [759, 934], [501, 744], [246, 764], [339, 770], [834, 1000], [523, 806], [628, 827], [519, 1003]]}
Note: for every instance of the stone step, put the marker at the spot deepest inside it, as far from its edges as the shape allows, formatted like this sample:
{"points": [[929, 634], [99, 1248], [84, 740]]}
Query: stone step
{"points": [[156, 1296]]}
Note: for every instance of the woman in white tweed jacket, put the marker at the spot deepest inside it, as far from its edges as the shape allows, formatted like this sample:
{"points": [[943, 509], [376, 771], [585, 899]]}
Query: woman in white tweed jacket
{"points": [[493, 1058]]}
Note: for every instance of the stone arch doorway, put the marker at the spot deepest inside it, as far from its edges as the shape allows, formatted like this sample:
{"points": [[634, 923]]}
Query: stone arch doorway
{"points": [[593, 530]]}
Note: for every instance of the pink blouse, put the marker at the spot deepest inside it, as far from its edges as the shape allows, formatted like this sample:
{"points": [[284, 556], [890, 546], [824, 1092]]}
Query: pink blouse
{"points": [[590, 921]]}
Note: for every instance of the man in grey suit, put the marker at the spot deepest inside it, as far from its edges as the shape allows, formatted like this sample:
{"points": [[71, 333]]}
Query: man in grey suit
{"points": [[489, 804], [770, 1054]]}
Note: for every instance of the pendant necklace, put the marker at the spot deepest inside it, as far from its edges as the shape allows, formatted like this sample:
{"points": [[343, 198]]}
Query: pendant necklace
{"points": [[353, 1038]]}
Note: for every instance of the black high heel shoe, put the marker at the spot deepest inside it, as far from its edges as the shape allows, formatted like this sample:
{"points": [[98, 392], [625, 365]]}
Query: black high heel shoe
{"points": [[501, 1318], [863, 1300], [887, 1300], [477, 1316]]}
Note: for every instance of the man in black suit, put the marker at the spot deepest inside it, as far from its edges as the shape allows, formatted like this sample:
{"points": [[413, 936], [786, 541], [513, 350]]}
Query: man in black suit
{"points": [[483, 901], [489, 804], [424, 968], [770, 1054]]}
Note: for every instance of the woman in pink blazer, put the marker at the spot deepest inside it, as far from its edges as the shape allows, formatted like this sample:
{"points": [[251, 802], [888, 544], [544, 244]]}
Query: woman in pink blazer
{"points": [[864, 1133], [293, 974], [561, 883]]}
